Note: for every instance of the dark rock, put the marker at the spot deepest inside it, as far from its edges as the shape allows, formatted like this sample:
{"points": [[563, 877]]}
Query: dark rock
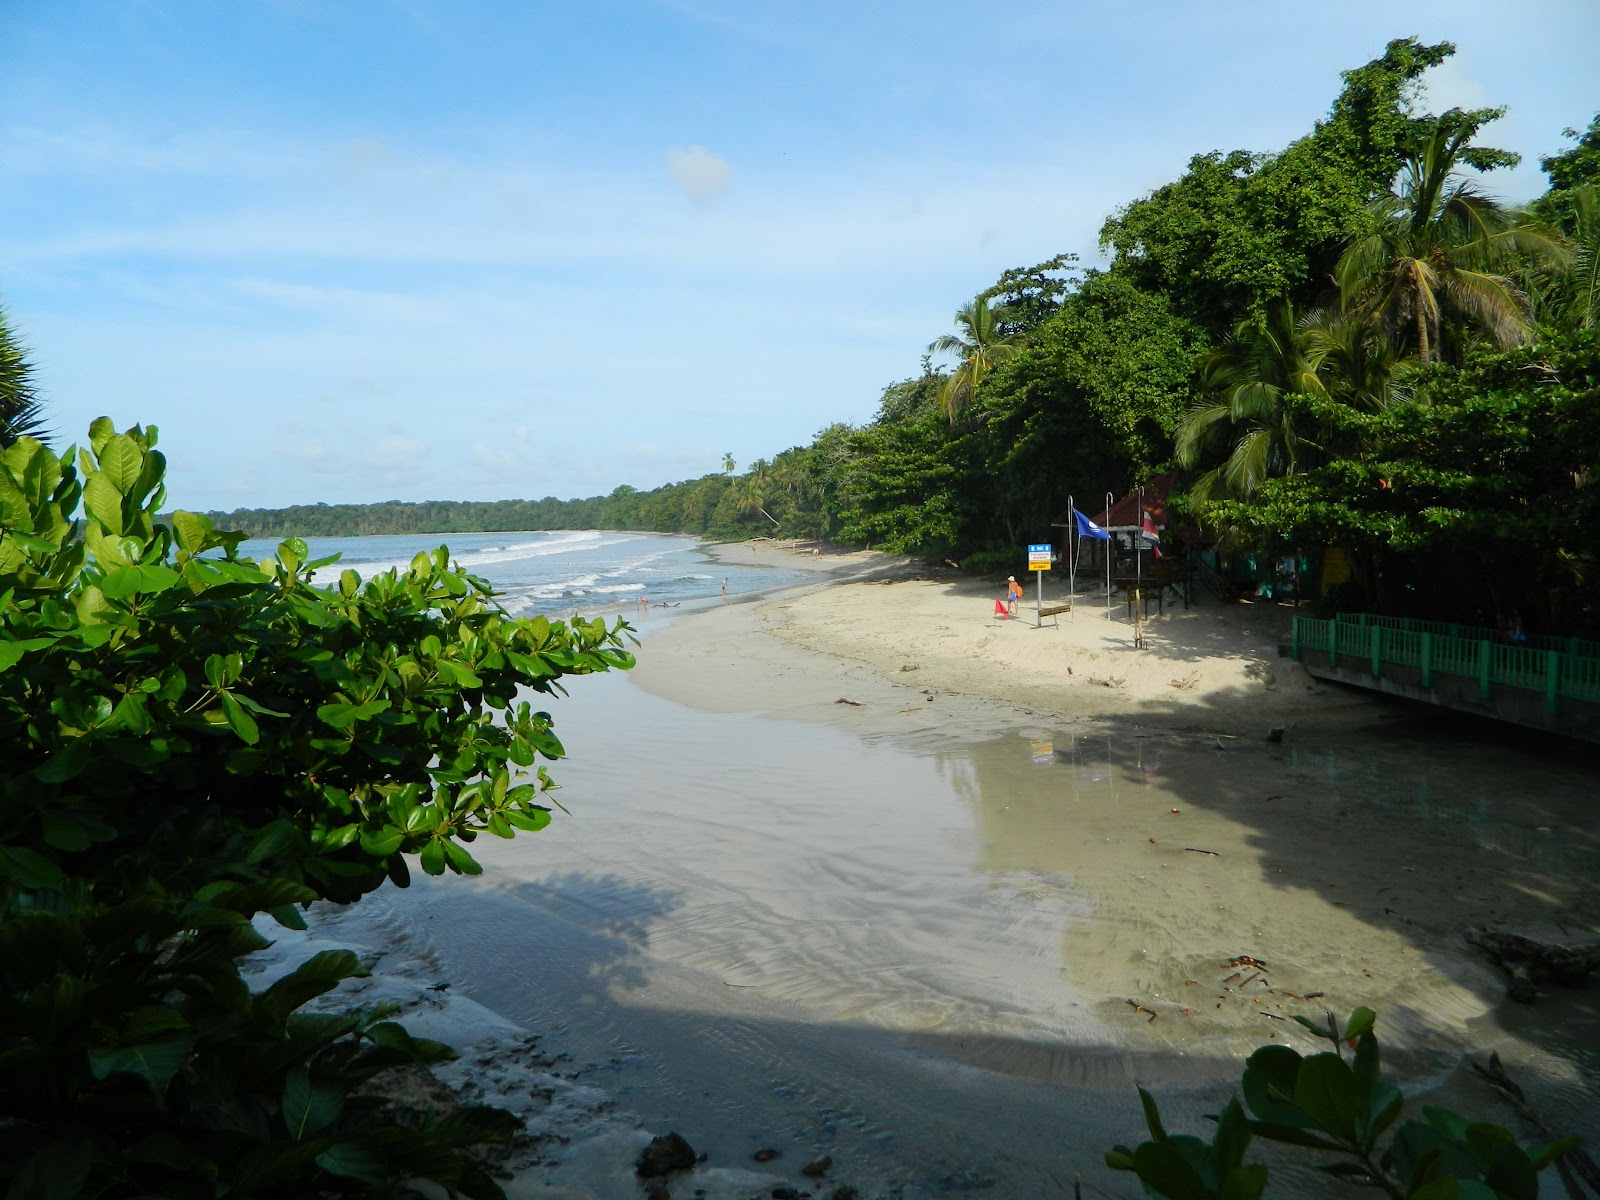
{"points": [[1275, 734], [785, 1193], [817, 1169], [766, 1154], [656, 1189], [664, 1155], [846, 1192]]}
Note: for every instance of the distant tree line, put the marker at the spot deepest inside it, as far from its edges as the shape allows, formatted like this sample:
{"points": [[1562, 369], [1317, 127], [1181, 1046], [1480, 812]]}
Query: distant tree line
{"points": [[1303, 333]]}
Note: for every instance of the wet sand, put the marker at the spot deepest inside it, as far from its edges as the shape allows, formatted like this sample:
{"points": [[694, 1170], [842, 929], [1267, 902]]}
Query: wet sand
{"points": [[905, 931]]}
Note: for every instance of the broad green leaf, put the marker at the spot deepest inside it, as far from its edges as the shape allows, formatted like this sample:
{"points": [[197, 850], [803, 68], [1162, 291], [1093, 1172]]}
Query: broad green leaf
{"points": [[1361, 1021], [352, 1160], [239, 720], [1273, 1069], [28, 868], [383, 842], [308, 1106], [432, 858], [1162, 1166], [456, 855], [121, 461], [154, 1062], [101, 431], [63, 831], [103, 502], [1326, 1090], [191, 530]]}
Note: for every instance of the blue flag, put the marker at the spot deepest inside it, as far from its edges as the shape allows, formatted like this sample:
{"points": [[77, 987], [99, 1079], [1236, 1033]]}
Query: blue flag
{"points": [[1088, 529]]}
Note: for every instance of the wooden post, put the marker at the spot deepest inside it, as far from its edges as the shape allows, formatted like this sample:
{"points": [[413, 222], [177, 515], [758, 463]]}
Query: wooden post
{"points": [[1552, 682], [1427, 660], [1294, 638], [1484, 690]]}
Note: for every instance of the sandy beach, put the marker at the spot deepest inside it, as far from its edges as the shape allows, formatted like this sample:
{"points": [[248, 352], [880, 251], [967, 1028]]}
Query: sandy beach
{"points": [[853, 870]]}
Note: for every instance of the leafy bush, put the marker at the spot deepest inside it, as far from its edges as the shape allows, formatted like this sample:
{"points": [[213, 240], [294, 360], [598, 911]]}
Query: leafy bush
{"points": [[192, 739], [1326, 1102]]}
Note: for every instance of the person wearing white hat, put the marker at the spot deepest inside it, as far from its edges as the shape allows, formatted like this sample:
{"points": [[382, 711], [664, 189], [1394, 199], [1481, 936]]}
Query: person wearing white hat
{"points": [[1013, 594]]}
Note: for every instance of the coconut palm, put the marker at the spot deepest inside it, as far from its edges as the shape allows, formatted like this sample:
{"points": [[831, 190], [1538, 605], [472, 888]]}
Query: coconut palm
{"points": [[1442, 243], [1246, 383], [1358, 359], [728, 464], [1580, 297], [980, 346], [21, 411]]}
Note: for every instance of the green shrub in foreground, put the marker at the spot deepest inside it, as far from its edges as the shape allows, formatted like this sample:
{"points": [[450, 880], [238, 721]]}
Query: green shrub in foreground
{"points": [[192, 739], [1329, 1103]]}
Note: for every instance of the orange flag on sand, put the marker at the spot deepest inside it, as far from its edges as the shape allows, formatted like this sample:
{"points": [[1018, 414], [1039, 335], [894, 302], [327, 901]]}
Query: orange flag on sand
{"points": [[1000, 610]]}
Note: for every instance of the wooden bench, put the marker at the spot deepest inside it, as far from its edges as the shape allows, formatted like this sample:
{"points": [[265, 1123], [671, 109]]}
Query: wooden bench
{"points": [[1054, 612]]}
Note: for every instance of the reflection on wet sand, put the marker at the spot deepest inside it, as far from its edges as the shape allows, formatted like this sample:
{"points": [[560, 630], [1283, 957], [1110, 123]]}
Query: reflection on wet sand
{"points": [[769, 915]]}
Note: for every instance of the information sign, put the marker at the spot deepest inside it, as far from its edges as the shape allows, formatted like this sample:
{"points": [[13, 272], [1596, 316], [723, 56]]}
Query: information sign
{"points": [[1039, 557]]}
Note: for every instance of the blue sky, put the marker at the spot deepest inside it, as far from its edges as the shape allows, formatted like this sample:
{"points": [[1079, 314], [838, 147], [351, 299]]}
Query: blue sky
{"points": [[374, 249]]}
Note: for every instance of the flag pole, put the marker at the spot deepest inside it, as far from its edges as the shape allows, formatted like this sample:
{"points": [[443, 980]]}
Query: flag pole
{"points": [[1138, 547], [1110, 541], [1072, 548]]}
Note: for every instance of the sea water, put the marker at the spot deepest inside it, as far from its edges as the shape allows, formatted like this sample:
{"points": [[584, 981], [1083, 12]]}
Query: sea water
{"points": [[556, 573]]}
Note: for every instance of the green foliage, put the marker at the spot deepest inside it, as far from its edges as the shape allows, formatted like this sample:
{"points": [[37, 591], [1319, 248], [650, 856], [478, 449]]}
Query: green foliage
{"points": [[195, 740], [1241, 230], [1488, 482], [21, 412], [1328, 1102]]}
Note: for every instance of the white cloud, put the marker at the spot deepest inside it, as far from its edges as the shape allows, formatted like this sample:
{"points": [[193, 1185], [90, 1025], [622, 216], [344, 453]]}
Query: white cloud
{"points": [[700, 175]]}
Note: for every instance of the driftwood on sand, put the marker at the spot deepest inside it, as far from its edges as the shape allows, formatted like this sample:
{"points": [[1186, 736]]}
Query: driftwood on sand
{"points": [[1530, 961]]}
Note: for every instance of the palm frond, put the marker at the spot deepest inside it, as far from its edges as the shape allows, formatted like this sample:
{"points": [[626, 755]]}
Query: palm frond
{"points": [[21, 408]]}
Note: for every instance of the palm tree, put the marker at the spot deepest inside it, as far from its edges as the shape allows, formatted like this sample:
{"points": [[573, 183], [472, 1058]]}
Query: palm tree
{"points": [[753, 489], [728, 464], [21, 410], [1441, 242], [1359, 360], [1246, 383], [1580, 303], [980, 346]]}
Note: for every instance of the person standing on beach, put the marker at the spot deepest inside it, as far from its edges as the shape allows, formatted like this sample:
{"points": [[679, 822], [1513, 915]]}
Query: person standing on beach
{"points": [[724, 591], [1013, 594]]}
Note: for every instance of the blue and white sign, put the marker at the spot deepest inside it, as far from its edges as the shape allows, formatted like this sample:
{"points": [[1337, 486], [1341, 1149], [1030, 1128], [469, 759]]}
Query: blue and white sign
{"points": [[1039, 557]]}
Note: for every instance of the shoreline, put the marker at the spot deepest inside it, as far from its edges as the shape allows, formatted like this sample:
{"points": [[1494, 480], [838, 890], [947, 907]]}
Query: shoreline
{"points": [[912, 1100]]}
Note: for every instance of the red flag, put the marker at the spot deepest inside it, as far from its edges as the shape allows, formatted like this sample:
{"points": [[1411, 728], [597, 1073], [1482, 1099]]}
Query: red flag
{"points": [[1000, 610], [1148, 525]]}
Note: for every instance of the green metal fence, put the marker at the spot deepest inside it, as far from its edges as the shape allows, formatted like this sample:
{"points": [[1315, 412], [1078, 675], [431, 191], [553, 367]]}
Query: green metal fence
{"points": [[1577, 647], [1379, 642]]}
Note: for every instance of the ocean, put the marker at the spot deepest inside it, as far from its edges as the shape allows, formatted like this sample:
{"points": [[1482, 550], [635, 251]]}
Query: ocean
{"points": [[588, 571]]}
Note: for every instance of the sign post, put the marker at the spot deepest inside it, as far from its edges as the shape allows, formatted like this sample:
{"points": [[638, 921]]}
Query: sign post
{"points": [[1039, 563]]}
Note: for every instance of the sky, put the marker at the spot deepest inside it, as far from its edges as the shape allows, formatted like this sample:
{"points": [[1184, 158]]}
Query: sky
{"points": [[360, 250]]}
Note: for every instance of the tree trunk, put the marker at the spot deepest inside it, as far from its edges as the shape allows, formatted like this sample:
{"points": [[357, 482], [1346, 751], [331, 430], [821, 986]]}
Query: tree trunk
{"points": [[1422, 335]]}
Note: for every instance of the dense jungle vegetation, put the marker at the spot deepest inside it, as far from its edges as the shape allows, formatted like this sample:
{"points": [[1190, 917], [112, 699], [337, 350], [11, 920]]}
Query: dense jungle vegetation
{"points": [[1350, 342]]}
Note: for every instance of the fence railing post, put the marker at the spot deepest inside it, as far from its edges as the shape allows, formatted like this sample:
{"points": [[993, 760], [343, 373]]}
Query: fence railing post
{"points": [[1427, 660], [1333, 644], [1552, 682], [1484, 690], [1294, 638], [1377, 651]]}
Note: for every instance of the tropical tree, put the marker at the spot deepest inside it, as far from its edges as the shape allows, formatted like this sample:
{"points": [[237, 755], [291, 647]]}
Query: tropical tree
{"points": [[21, 412], [754, 488], [1246, 384], [728, 464], [1441, 242], [981, 344]]}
